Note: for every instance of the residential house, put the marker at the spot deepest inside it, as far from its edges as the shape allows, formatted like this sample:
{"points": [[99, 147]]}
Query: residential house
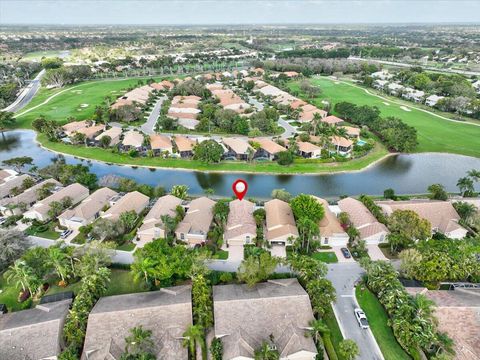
{"points": [[238, 148], [331, 231], [6, 175], [268, 148], [22, 202], [457, 314], [352, 132], [395, 89], [241, 227], [277, 312], [12, 182], [413, 94], [432, 100], [343, 146], [441, 215], [194, 227], [372, 231], [382, 75], [88, 210], [229, 100], [380, 84], [309, 150], [332, 120], [35, 334], [167, 313], [72, 127], [184, 145], [132, 140], [91, 132], [280, 223], [308, 113], [132, 201], [39, 211], [114, 133], [152, 226], [161, 144]]}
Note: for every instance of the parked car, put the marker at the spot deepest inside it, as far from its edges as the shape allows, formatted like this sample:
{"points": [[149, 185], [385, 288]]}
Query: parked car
{"points": [[346, 253], [2, 220], [64, 234], [361, 318]]}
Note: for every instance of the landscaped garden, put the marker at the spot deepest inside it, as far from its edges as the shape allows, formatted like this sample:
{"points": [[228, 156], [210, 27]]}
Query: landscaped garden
{"points": [[44, 230]]}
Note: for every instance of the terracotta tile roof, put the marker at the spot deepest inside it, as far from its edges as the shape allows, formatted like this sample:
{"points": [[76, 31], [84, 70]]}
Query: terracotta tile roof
{"points": [[183, 143], [134, 200], [113, 133], [160, 142], [74, 126], [352, 131], [341, 141], [240, 219], [133, 138], [361, 217], [440, 214], [198, 218], [279, 219], [332, 120], [239, 146], [269, 146], [91, 131], [295, 104], [329, 225], [307, 147]]}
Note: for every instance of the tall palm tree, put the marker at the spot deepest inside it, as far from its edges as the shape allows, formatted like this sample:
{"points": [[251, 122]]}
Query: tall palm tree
{"points": [[139, 341], [143, 268], [318, 328], [23, 276], [192, 335], [474, 174], [266, 352], [465, 184], [169, 225], [59, 261]]}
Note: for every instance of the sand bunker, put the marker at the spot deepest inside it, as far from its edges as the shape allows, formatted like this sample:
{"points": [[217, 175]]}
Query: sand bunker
{"points": [[404, 108], [385, 103], [83, 105]]}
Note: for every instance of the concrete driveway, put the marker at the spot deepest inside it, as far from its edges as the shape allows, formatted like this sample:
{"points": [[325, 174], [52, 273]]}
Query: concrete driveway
{"points": [[149, 126], [235, 253], [375, 253], [340, 257], [343, 277]]}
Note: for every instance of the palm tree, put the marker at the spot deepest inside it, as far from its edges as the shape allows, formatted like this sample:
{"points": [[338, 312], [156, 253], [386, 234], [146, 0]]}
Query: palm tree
{"points": [[465, 184], [193, 334], [169, 225], [59, 261], [266, 352], [23, 276], [318, 328], [139, 341], [474, 174], [6, 119], [308, 229], [209, 192], [143, 268]]}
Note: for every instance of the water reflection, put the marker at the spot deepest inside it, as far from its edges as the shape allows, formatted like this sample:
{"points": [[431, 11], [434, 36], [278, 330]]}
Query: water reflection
{"points": [[403, 173]]}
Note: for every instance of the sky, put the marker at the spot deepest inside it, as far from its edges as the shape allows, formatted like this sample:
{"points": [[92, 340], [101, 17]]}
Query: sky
{"points": [[214, 12]]}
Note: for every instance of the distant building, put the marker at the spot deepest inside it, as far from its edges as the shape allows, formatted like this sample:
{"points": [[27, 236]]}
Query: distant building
{"points": [[194, 227], [280, 223], [10, 182], [382, 75], [309, 150], [238, 148], [241, 227], [432, 100]]}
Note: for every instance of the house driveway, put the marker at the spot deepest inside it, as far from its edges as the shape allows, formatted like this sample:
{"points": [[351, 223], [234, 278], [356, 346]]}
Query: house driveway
{"points": [[376, 253], [340, 257], [149, 126], [279, 251], [235, 253]]}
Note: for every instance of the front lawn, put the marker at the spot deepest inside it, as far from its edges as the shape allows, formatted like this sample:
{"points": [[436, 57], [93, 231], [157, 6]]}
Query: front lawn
{"points": [[220, 255], [328, 257], [127, 246], [9, 295], [335, 334], [46, 231], [378, 321]]}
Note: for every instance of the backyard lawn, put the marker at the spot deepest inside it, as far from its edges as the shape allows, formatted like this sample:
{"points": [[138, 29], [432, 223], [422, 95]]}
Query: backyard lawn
{"points": [[9, 294], [434, 134], [377, 319], [46, 231], [325, 256]]}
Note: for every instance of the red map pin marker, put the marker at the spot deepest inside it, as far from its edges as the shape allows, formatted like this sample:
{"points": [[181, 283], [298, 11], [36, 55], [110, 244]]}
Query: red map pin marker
{"points": [[240, 188]]}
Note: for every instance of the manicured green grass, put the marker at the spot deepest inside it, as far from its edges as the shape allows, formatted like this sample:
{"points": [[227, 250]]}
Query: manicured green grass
{"points": [[327, 256], [377, 319], [50, 233], [68, 102], [9, 295], [221, 255], [300, 165], [128, 246], [434, 134], [121, 282], [335, 333]]}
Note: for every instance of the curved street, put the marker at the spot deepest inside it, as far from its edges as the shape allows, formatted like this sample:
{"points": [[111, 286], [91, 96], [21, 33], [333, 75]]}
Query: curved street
{"points": [[26, 94]]}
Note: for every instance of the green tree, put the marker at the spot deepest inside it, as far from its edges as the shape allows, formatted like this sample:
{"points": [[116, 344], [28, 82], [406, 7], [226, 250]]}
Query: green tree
{"points": [[221, 210], [266, 352], [406, 227], [307, 230], [216, 349], [139, 342], [128, 220], [285, 158], [389, 194], [23, 276], [55, 209], [105, 141], [322, 294], [465, 185], [180, 191], [60, 262], [13, 244], [467, 211], [208, 151], [192, 336], [437, 192], [348, 349], [255, 269], [105, 229], [7, 120], [18, 162], [306, 206], [317, 329], [281, 194]]}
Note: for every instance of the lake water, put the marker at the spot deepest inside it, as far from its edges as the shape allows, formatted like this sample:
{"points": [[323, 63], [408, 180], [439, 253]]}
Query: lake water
{"points": [[406, 174]]}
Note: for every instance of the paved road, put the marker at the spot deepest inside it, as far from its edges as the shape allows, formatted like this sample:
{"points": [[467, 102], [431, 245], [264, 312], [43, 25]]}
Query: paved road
{"points": [[26, 95], [343, 277], [289, 129], [149, 126]]}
